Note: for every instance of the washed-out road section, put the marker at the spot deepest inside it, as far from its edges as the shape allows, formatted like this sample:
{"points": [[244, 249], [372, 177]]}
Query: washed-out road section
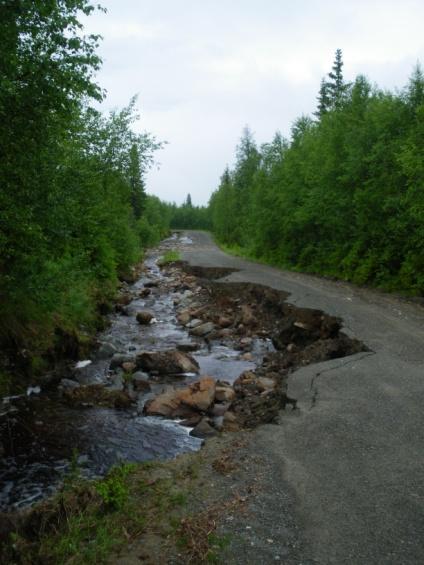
{"points": [[345, 471]]}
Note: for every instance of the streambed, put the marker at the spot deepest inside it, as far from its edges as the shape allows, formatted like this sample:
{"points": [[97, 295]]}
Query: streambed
{"points": [[43, 438]]}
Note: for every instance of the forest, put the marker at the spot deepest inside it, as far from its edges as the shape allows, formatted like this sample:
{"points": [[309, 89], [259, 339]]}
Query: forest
{"points": [[344, 196], [74, 211]]}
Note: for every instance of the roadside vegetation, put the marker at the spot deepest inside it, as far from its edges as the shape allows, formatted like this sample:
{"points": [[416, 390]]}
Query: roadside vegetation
{"points": [[74, 211], [150, 511], [343, 196]]}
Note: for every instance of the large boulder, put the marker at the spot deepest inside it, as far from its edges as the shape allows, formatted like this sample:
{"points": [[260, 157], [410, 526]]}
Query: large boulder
{"points": [[167, 362], [199, 395], [183, 402]]}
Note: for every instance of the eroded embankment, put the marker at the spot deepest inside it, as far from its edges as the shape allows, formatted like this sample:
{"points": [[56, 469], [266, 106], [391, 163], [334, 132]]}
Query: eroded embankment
{"points": [[248, 317], [222, 368]]}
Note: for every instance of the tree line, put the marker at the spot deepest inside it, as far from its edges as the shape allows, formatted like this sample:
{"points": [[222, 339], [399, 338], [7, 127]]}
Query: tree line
{"points": [[343, 196], [74, 211]]}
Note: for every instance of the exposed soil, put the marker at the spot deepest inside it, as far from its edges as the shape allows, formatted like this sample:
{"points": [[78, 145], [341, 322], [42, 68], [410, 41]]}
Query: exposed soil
{"points": [[275, 338]]}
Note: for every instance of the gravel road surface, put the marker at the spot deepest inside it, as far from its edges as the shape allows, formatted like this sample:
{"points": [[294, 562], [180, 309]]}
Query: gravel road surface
{"points": [[344, 473]]}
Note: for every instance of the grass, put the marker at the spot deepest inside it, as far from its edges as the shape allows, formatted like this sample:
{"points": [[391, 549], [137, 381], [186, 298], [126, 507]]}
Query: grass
{"points": [[88, 521], [169, 257]]}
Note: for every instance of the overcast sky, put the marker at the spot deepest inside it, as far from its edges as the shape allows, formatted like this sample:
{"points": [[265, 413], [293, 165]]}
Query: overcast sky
{"points": [[204, 69]]}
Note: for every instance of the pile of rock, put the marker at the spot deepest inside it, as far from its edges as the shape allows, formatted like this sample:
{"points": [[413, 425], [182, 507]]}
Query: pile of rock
{"points": [[203, 405], [210, 406]]}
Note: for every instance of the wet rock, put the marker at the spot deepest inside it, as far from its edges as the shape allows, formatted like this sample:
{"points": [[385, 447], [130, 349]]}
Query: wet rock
{"points": [[124, 299], [68, 384], [167, 362], [140, 382], [199, 395], [123, 310], [220, 409], [184, 402], [145, 292], [116, 381], [106, 350], [224, 322], [192, 421], [202, 329], [224, 394], [188, 346], [97, 395], [203, 429], [247, 357], [184, 318], [194, 323], [144, 317], [119, 359], [245, 343], [151, 284], [129, 366], [168, 405], [224, 333]]}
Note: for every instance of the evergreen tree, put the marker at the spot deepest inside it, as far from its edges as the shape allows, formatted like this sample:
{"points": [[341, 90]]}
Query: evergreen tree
{"points": [[324, 100], [336, 87]]}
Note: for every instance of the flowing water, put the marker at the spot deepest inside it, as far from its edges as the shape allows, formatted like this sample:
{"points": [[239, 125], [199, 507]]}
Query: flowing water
{"points": [[42, 438]]}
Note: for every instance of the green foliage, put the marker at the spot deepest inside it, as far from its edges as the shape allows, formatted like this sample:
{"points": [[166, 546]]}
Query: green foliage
{"points": [[169, 257], [114, 489], [188, 216], [344, 197], [75, 214]]}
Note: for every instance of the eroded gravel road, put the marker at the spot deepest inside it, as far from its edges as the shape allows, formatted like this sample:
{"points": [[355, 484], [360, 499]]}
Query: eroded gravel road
{"points": [[342, 476]]}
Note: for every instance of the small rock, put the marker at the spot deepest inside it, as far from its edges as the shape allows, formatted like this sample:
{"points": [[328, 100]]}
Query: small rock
{"points": [[247, 357], [116, 382], [144, 293], [151, 284], [192, 421], [119, 358], [220, 409], [203, 329], [140, 382], [167, 362], [194, 323], [265, 383], [144, 317], [69, 383], [245, 342], [184, 317], [106, 350], [203, 429], [224, 322], [188, 346], [224, 394]]}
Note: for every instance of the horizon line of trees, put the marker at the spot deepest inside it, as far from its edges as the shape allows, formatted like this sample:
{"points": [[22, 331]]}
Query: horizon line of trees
{"points": [[344, 196]]}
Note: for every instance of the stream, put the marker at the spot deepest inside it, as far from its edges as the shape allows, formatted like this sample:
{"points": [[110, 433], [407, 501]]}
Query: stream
{"points": [[43, 438]]}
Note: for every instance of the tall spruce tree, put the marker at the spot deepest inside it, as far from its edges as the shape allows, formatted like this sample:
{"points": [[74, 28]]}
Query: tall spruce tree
{"points": [[336, 87]]}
